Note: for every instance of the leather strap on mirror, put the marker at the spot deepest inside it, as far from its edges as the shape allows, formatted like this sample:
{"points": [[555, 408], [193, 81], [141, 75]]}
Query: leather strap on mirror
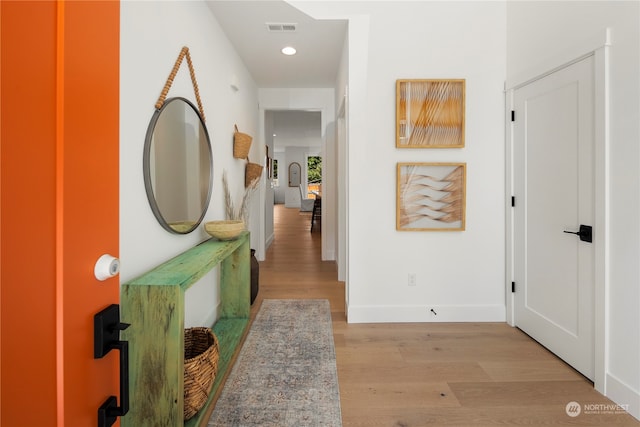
{"points": [[163, 96]]}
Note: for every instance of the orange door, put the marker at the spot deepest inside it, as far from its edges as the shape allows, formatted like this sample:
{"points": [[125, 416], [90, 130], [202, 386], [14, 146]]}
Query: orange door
{"points": [[59, 207]]}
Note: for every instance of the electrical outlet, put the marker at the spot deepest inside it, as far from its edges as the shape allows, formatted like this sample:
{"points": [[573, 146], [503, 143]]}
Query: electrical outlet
{"points": [[412, 279]]}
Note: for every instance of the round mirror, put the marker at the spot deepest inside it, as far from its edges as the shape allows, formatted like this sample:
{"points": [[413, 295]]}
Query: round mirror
{"points": [[178, 166]]}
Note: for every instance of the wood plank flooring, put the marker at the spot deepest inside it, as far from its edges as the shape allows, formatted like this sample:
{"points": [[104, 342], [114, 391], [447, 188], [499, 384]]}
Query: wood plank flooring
{"points": [[428, 374]]}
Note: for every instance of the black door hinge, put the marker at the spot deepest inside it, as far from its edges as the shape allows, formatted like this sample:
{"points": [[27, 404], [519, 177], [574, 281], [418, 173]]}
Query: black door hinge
{"points": [[513, 287], [513, 115], [513, 201]]}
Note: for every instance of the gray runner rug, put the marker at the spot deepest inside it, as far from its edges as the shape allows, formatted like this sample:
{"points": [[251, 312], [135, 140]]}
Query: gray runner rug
{"points": [[285, 374]]}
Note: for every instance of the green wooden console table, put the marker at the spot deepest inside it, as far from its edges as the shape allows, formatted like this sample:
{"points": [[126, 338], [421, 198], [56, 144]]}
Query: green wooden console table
{"points": [[154, 306]]}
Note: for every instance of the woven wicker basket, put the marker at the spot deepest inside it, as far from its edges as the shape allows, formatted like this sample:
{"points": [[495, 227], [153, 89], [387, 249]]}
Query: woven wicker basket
{"points": [[241, 144], [251, 173], [201, 356]]}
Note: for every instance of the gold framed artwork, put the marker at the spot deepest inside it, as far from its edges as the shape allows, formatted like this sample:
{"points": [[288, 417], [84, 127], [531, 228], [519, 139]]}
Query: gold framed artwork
{"points": [[430, 113], [431, 196]]}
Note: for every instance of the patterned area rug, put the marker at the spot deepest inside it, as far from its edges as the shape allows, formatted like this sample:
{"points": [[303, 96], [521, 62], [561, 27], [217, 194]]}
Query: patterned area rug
{"points": [[285, 374]]}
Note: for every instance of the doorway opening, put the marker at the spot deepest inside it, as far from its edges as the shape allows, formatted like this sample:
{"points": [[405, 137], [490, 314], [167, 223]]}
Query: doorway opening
{"points": [[295, 137], [314, 177]]}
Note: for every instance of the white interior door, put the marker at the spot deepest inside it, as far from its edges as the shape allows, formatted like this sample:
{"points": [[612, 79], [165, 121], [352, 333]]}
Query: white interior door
{"points": [[554, 189]]}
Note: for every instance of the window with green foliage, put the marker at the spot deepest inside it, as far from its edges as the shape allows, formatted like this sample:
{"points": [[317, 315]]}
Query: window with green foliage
{"points": [[314, 169]]}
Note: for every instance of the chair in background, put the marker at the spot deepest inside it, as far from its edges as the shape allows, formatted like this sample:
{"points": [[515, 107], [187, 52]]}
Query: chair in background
{"points": [[316, 215], [306, 205]]}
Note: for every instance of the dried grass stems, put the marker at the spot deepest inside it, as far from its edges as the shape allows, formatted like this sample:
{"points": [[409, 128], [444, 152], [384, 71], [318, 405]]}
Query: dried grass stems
{"points": [[242, 212]]}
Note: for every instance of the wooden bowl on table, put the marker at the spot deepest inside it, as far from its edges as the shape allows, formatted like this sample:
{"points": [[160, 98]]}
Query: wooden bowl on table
{"points": [[224, 229]]}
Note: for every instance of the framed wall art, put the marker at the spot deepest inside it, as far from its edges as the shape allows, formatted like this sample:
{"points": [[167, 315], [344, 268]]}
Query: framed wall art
{"points": [[430, 113], [430, 196]]}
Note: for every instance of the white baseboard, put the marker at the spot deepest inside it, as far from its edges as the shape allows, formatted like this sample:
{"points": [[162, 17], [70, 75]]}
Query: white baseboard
{"points": [[269, 241], [623, 395], [423, 313], [328, 255]]}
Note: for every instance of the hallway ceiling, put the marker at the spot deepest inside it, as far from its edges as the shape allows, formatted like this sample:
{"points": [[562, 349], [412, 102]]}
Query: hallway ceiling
{"points": [[296, 128], [319, 43]]}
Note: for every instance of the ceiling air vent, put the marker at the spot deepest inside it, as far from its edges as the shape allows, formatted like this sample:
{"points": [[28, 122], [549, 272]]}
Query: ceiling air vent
{"points": [[280, 27]]}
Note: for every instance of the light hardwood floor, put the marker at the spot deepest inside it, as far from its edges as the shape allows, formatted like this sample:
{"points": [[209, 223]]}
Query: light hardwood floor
{"points": [[428, 374]]}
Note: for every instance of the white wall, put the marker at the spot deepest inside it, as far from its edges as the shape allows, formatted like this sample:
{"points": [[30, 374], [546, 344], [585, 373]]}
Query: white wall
{"points": [[152, 34], [280, 189], [459, 274], [568, 25], [269, 189], [293, 155]]}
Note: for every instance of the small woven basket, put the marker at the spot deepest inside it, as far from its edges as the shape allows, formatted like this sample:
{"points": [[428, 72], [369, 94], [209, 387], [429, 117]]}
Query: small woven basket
{"points": [[241, 144], [251, 173], [201, 356]]}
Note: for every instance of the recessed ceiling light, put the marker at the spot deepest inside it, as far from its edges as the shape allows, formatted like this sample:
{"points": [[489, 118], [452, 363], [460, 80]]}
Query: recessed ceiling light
{"points": [[289, 50]]}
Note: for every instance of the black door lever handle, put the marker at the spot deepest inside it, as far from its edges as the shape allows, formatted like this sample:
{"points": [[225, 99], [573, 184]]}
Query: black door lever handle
{"points": [[107, 327], [585, 233]]}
